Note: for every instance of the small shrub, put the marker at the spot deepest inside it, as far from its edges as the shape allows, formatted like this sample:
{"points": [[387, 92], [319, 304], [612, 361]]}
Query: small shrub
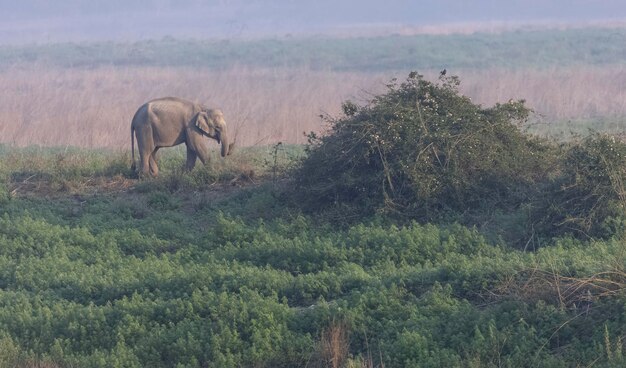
{"points": [[162, 201], [9, 352], [5, 194]]}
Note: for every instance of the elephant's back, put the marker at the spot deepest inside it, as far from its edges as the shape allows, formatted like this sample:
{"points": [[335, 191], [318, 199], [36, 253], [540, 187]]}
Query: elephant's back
{"points": [[170, 103], [171, 109]]}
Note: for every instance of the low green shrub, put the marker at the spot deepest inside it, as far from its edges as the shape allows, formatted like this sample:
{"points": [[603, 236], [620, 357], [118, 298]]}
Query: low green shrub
{"points": [[5, 194]]}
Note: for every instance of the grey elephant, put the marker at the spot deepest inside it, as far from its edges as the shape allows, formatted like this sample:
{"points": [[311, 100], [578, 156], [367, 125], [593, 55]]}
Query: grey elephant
{"points": [[169, 121]]}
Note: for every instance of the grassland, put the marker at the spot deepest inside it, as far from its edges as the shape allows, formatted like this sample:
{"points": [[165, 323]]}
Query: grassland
{"points": [[93, 107], [222, 266], [85, 94]]}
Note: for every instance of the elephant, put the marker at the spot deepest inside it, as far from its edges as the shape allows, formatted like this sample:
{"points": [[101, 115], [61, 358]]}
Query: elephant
{"points": [[169, 121]]}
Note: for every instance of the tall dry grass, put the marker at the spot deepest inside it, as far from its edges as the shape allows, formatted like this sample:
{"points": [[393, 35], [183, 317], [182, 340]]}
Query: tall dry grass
{"points": [[93, 107], [581, 92]]}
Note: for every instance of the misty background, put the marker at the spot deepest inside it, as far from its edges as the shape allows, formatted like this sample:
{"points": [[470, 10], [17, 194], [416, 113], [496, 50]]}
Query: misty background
{"points": [[40, 21]]}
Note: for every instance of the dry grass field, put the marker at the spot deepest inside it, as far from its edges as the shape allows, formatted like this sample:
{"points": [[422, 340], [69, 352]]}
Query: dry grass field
{"points": [[93, 107]]}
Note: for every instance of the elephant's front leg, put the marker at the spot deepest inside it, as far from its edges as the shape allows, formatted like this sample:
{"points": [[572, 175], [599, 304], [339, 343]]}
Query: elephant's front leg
{"points": [[191, 159], [196, 147], [203, 153]]}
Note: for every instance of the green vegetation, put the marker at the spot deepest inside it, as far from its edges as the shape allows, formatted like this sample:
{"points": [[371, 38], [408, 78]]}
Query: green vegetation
{"points": [[431, 264], [423, 151], [588, 46], [261, 295]]}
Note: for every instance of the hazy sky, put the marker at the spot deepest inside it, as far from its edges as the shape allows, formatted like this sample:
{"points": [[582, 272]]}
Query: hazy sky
{"points": [[70, 20]]}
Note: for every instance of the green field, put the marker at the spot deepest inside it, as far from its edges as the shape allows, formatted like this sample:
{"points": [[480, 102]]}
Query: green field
{"points": [[172, 272], [229, 266]]}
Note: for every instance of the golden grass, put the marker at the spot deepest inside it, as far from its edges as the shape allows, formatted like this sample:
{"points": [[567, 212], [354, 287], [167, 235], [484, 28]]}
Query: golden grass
{"points": [[555, 93], [93, 107]]}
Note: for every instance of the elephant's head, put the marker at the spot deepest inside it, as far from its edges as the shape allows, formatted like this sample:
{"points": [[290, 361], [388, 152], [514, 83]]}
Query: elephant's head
{"points": [[211, 123]]}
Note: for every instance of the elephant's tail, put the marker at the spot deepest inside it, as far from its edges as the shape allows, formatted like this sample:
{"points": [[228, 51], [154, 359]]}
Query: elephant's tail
{"points": [[133, 166]]}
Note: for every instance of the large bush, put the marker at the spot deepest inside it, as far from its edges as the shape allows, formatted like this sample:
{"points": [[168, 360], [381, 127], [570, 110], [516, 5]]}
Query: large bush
{"points": [[423, 150]]}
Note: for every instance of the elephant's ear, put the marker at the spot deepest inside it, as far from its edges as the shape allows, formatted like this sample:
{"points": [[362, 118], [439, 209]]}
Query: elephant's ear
{"points": [[202, 122]]}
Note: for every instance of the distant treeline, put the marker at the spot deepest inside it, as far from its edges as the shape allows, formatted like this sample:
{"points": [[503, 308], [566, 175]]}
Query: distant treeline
{"points": [[515, 49]]}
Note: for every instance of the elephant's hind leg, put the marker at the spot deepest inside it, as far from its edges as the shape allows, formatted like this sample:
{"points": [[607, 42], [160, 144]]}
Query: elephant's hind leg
{"points": [[145, 144], [154, 168], [145, 163]]}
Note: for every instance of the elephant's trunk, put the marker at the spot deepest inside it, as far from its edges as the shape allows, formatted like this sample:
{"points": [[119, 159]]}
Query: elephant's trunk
{"points": [[225, 146]]}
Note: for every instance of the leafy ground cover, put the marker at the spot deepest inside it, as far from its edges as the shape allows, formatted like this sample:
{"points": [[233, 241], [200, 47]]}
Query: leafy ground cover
{"points": [[229, 266], [125, 294]]}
